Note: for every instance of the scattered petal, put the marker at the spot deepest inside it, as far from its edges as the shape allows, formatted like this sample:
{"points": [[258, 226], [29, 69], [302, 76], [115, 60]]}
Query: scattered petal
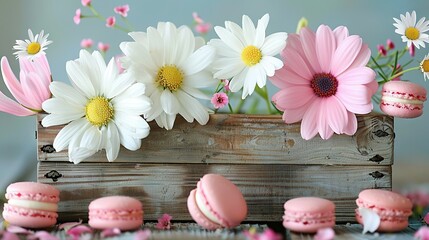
{"points": [[42, 235], [79, 230], [142, 234], [325, 234], [422, 233], [371, 220], [68, 225], [110, 232], [18, 230]]}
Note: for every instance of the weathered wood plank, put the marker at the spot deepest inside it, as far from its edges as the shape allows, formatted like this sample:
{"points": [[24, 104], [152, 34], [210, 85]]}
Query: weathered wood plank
{"points": [[249, 139], [165, 187]]}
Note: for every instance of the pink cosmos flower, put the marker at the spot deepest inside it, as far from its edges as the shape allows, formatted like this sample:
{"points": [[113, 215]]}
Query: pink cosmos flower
{"points": [[219, 100], [85, 3], [325, 234], [324, 81], [110, 21], [142, 234], [390, 45], [422, 233], [412, 50], [164, 222], [381, 50], [86, 43], [77, 16], [122, 10], [104, 47], [426, 218], [30, 91]]}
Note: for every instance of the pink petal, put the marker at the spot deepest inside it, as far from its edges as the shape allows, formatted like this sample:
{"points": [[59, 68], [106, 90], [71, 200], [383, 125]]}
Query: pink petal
{"points": [[345, 54], [142, 234], [294, 61], [309, 120], [18, 230], [34, 90], [7, 105], [293, 97], [422, 233], [10, 236], [79, 230], [351, 127], [296, 114], [360, 75], [293, 42], [10, 80], [362, 58], [373, 87], [336, 114], [426, 218], [308, 41], [42, 235], [68, 225], [340, 33], [325, 234], [356, 98], [324, 130], [325, 47], [110, 232]]}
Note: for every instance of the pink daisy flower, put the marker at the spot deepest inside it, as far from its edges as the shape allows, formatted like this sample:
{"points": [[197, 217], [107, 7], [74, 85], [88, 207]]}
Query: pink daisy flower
{"points": [[324, 81]]}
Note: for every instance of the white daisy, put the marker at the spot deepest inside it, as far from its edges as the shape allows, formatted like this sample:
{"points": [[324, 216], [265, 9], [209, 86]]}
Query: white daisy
{"points": [[173, 65], [411, 32], [32, 47], [246, 55], [102, 109], [424, 66]]}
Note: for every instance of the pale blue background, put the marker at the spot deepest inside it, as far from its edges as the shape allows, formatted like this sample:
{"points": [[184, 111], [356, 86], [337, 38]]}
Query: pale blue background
{"points": [[368, 18]]}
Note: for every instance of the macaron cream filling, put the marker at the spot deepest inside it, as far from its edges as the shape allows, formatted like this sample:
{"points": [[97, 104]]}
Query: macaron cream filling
{"points": [[53, 207], [402, 100], [203, 205]]}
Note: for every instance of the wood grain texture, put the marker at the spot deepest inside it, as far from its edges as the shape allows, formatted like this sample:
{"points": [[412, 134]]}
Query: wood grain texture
{"points": [[249, 139], [164, 188]]}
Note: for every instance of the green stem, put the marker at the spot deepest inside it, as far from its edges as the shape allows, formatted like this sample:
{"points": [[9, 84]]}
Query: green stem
{"points": [[96, 14], [404, 71], [129, 26], [122, 28], [240, 105], [230, 108]]}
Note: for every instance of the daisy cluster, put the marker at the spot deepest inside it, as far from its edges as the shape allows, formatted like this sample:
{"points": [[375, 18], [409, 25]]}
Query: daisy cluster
{"points": [[325, 77]]}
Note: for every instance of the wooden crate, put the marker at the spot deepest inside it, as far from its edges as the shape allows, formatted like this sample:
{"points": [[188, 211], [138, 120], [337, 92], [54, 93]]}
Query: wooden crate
{"points": [[266, 158]]}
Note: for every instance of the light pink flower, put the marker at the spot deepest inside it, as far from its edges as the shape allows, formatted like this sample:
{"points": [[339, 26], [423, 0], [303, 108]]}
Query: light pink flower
{"points": [[77, 16], [110, 21], [32, 89], [86, 43], [426, 218], [269, 234], [203, 28], [85, 3], [119, 63], [164, 222], [142, 234], [197, 18], [412, 50], [219, 100], [122, 10], [422, 233], [390, 45], [419, 198], [110, 232], [324, 81], [381, 50], [104, 47], [77, 231], [325, 234], [226, 85]]}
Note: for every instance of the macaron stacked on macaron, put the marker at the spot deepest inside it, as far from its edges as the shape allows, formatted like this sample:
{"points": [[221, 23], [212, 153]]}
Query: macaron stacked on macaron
{"points": [[217, 203], [31, 205], [308, 214], [393, 208], [125, 213], [402, 99]]}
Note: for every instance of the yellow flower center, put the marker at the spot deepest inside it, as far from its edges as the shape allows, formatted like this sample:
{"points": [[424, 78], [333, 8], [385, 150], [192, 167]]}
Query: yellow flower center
{"points": [[412, 33], [169, 76], [251, 55], [33, 48], [425, 65], [99, 111]]}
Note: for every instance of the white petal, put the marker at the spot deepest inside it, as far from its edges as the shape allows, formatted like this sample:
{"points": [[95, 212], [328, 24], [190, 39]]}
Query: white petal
{"points": [[370, 219], [229, 39], [236, 30], [155, 44], [200, 80], [195, 92], [89, 66], [170, 43], [63, 138], [156, 109], [166, 120], [237, 82], [80, 79], [186, 45], [169, 102], [59, 119], [68, 93], [228, 67], [260, 31], [61, 106], [199, 60], [134, 106], [249, 30], [274, 43], [138, 36], [194, 108], [112, 142]]}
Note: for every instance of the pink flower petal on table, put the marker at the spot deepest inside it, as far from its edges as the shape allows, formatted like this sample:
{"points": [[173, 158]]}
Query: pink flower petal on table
{"points": [[422, 233], [42, 235], [142, 234], [370, 219], [18, 230], [325, 234], [68, 225], [110, 232], [10, 236], [79, 230], [269, 234]]}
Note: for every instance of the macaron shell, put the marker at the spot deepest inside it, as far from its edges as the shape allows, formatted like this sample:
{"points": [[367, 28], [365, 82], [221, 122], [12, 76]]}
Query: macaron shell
{"points": [[122, 224], [198, 216], [224, 198], [29, 218], [33, 191], [387, 226], [384, 199], [307, 227]]}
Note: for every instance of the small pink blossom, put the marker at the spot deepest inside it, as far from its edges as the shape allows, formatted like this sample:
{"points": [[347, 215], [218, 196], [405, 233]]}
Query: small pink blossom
{"points": [[203, 28], [110, 232], [86, 43], [122, 10], [197, 18], [119, 64], [77, 231], [142, 234], [381, 50], [219, 100], [164, 222], [422, 233], [77, 16], [110, 21], [85, 3], [268, 234], [412, 50], [325, 234], [418, 198], [426, 218], [226, 85], [390, 45], [104, 47]]}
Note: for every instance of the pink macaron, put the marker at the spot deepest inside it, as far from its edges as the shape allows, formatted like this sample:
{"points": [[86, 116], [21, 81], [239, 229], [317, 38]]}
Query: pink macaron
{"points": [[402, 99], [125, 213], [31, 205], [393, 208], [308, 214], [217, 203]]}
